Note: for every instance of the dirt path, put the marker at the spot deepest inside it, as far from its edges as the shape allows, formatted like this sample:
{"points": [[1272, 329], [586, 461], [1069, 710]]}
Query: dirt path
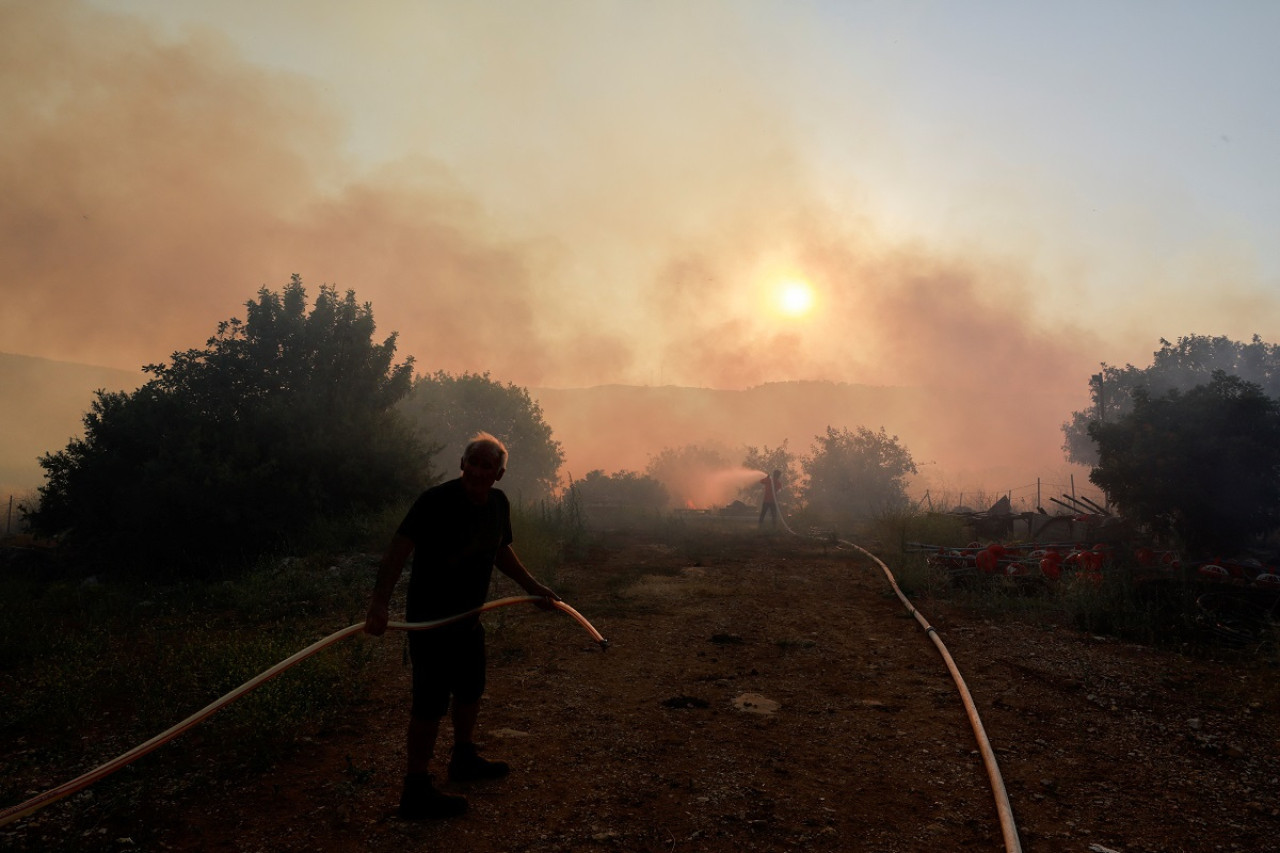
{"points": [[671, 740]]}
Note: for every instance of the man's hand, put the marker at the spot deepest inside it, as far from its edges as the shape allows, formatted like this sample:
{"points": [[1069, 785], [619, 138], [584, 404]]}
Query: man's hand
{"points": [[543, 591], [375, 622]]}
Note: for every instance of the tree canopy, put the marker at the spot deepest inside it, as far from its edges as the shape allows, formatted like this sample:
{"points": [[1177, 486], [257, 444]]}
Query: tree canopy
{"points": [[1189, 362], [283, 419], [853, 474], [621, 489], [1203, 464], [449, 410]]}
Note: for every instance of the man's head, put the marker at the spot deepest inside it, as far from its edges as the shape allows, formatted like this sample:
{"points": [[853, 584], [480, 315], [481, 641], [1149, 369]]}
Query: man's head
{"points": [[484, 461], [485, 443]]}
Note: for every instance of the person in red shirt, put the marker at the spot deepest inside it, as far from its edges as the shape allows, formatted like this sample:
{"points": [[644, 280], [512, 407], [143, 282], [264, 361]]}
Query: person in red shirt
{"points": [[769, 504]]}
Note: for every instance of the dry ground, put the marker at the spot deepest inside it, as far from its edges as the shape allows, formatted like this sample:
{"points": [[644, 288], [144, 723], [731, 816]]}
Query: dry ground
{"points": [[670, 740]]}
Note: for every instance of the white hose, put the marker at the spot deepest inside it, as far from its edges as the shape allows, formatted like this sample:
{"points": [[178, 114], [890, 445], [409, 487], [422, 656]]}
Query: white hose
{"points": [[66, 789], [1007, 825]]}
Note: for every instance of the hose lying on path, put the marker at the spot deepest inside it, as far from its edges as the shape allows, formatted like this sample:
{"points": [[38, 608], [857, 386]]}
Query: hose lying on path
{"points": [[1008, 827], [32, 805]]}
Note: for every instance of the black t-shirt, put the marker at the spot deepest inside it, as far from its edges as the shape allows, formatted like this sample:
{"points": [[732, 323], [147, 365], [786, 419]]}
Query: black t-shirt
{"points": [[454, 545]]}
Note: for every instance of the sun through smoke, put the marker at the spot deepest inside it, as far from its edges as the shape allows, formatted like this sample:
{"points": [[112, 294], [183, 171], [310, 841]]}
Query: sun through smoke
{"points": [[795, 298]]}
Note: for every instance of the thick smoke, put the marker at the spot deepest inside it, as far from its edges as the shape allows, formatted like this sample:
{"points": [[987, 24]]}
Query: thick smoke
{"points": [[154, 184], [560, 209], [148, 189]]}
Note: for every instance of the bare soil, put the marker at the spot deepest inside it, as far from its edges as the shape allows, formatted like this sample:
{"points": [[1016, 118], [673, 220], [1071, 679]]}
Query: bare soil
{"points": [[764, 692]]}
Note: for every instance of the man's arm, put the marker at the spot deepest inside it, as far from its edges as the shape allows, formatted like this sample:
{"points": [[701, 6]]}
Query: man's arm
{"points": [[509, 564], [389, 569]]}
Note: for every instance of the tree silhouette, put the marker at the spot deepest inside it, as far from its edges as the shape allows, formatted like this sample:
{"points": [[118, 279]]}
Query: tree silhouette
{"points": [[282, 420], [1203, 465], [855, 474], [449, 410], [627, 489], [1189, 362]]}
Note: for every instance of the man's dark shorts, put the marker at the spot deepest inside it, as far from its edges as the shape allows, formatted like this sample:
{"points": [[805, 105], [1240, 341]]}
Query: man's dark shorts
{"points": [[446, 661]]}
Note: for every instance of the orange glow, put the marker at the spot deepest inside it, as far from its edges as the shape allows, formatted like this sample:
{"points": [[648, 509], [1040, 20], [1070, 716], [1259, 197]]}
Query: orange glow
{"points": [[795, 298]]}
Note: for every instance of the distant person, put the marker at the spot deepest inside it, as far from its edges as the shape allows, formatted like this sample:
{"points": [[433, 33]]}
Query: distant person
{"points": [[769, 503], [457, 532]]}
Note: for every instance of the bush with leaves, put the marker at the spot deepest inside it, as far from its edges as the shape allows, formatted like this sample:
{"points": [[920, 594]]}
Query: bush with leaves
{"points": [[621, 489], [1202, 465], [449, 410], [282, 421], [856, 474], [1181, 366]]}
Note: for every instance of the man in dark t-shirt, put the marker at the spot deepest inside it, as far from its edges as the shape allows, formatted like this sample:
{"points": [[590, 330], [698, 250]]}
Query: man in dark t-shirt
{"points": [[457, 532]]}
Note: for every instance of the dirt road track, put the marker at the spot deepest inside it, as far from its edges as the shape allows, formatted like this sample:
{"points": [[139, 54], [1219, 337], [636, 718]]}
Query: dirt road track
{"points": [[670, 740]]}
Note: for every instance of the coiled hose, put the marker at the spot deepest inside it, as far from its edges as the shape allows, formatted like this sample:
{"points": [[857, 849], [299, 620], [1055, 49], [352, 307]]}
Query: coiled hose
{"points": [[81, 782]]}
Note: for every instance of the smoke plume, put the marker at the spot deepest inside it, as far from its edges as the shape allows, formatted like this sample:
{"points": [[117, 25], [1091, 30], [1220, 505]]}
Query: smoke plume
{"points": [[554, 206]]}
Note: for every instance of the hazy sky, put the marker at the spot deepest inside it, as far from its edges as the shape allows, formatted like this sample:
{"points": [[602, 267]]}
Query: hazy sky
{"points": [[576, 193]]}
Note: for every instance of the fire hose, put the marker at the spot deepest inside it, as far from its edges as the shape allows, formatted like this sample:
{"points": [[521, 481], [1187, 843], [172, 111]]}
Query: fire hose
{"points": [[83, 781], [1003, 808]]}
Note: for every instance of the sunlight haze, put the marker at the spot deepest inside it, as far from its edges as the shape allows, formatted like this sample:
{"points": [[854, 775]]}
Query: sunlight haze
{"points": [[976, 197]]}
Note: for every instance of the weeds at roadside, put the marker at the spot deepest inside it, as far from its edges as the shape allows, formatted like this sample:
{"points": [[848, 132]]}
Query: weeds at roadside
{"points": [[97, 668]]}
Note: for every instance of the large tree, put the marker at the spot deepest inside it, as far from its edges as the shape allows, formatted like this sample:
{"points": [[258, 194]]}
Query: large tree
{"points": [[856, 474], [1203, 464], [449, 410], [282, 420], [1189, 362]]}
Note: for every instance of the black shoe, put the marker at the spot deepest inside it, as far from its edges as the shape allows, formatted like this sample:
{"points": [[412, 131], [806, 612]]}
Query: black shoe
{"points": [[467, 766], [420, 800]]}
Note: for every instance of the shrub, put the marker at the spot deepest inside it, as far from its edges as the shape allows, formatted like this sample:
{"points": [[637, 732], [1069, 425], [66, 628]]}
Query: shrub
{"points": [[234, 450]]}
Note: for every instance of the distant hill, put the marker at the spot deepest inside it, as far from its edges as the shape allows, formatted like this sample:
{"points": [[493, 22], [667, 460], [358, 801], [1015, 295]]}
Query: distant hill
{"points": [[42, 407], [963, 441]]}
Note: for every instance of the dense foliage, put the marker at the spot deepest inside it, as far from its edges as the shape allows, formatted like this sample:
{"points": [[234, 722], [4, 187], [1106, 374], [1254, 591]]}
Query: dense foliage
{"points": [[621, 489], [281, 421], [449, 410], [1175, 366], [1203, 464], [856, 474]]}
